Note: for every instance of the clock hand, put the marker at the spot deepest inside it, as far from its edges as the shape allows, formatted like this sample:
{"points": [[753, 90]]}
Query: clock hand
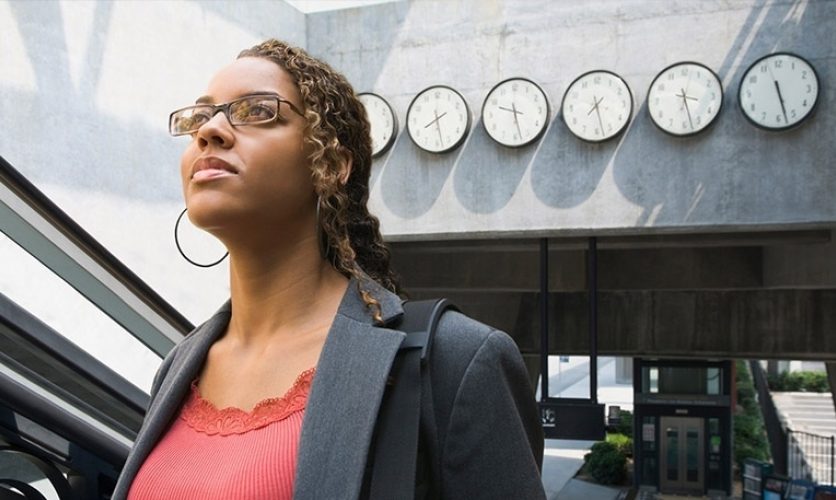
{"points": [[516, 122], [687, 110], [511, 110], [781, 99], [598, 112], [437, 117], [438, 126]]}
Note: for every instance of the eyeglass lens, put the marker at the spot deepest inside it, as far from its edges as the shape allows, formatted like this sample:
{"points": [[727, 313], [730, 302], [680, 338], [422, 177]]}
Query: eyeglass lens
{"points": [[245, 111]]}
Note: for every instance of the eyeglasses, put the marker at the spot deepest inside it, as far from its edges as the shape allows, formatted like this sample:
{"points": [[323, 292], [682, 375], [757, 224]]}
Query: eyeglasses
{"points": [[248, 110]]}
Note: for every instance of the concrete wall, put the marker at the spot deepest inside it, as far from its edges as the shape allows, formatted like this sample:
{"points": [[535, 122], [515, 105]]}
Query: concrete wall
{"points": [[86, 88], [85, 92], [732, 176]]}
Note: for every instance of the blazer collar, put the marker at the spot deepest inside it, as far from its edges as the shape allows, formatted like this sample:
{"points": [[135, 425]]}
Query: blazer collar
{"points": [[342, 405], [345, 396]]}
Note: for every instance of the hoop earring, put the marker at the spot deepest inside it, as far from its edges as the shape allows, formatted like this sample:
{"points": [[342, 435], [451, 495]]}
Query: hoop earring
{"points": [[320, 234], [180, 249]]}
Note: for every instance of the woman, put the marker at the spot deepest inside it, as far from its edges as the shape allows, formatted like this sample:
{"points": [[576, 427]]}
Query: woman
{"points": [[278, 170]]}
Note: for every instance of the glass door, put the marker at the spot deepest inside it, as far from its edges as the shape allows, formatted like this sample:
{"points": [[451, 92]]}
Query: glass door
{"points": [[682, 454]]}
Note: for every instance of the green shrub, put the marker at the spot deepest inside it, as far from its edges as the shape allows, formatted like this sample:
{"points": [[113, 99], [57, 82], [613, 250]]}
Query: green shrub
{"points": [[625, 423], [624, 444], [605, 463], [749, 434], [799, 382]]}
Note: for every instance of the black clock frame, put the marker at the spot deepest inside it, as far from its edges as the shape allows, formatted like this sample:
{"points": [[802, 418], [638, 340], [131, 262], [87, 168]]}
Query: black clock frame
{"points": [[803, 118], [716, 115], [466, 127], [395, 125], [620, 130], [539, 134]]}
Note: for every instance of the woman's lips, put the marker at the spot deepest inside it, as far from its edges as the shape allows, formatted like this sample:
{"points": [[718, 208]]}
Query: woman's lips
{"points": [[210, 173], [209, 168]]}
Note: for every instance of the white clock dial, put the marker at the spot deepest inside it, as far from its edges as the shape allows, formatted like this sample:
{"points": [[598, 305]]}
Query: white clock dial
{"points": [[685, 98], [597, 106], [778, 91], [515, 112], [383, 122], [438, 119]]}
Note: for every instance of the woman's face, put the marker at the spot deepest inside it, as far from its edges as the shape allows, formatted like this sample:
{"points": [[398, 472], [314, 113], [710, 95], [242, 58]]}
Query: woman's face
{"points": [[250, 177]]}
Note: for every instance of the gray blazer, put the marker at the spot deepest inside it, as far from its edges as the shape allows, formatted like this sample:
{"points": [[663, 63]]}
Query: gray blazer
{"points": [[489, 442]]}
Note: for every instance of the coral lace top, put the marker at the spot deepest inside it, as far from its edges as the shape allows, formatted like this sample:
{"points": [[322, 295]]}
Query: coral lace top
{"points": [[210, 453]]}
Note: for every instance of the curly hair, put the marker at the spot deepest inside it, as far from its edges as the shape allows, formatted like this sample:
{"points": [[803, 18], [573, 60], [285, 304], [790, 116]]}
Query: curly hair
{"points": [[337, 125]]}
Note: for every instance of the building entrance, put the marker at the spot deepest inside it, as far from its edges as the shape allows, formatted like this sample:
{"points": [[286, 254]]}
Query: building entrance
{"points": [[682, 454]]}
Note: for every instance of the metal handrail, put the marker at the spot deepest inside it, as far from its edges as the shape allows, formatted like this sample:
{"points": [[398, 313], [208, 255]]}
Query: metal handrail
{"points": [[35, 223]]}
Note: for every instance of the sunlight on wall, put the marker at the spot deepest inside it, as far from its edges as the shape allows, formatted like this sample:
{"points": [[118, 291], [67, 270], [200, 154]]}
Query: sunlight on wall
{"points": [[78, 32], [146, 85], [15, 69]]}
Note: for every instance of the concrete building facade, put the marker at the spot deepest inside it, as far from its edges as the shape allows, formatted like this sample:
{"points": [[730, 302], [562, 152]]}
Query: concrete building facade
{"points": [[714, 246]]}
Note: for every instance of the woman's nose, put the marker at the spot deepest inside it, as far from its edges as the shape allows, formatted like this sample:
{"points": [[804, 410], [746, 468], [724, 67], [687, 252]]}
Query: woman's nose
{"points": [[217, 131]]}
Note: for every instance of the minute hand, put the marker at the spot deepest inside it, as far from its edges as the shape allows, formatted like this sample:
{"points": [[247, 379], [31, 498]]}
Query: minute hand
{"points": [[781, 99]]}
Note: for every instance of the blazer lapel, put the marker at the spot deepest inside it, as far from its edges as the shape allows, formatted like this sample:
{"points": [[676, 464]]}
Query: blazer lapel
{"points": [[344, 400]]}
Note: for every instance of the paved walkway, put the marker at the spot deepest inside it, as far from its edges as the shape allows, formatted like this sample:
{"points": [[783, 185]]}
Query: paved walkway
{"points": [[563, 458]]}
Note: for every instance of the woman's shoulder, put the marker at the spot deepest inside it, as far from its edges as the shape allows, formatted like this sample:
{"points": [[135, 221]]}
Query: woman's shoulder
{"points": [[460, 341]]}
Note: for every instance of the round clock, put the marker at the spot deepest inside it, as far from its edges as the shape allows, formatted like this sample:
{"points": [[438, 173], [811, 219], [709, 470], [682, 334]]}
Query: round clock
{"points": [[778, 91], [597, 106], [438, 119], [685, 98], [515, 112], [383, 122]]}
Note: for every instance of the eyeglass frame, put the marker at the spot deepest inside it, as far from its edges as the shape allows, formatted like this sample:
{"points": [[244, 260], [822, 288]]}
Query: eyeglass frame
{"points": [[224, 107]]}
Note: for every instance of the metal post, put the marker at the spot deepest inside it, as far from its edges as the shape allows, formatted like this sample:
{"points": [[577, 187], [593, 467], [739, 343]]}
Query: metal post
{"points": [[832, 461], [592, 279], [544, 319]]}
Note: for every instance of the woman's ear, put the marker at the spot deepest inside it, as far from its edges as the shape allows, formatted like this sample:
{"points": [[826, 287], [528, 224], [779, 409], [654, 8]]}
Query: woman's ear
{"points": [[345, 165]]}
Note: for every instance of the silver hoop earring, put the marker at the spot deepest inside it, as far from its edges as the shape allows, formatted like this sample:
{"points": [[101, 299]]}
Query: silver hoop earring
{"points": [[320, 234], [180, 249]]}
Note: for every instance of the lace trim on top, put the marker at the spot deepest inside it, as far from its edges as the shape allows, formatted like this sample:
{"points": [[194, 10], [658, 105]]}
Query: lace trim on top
{"points": [[203, 416]]}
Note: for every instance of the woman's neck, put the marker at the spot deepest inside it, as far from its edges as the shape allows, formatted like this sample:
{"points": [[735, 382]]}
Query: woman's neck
{"points": [[282, 292]]}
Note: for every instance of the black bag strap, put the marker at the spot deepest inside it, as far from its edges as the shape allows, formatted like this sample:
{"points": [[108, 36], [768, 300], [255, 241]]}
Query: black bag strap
{"points": [[396, 443]]}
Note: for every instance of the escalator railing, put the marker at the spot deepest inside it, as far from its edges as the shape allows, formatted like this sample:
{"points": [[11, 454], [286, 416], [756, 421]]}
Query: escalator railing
{"points": [[63, 412]]}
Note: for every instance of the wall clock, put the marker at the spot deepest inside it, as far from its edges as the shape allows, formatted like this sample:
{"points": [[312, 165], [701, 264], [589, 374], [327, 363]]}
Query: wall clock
{"points": [[685, 98], [597, 106], [383, 122], [438, 119], [778, 91], [515, 112]]}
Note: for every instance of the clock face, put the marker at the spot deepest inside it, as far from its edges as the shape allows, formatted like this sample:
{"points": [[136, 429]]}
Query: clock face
{"points": [[515, 112], [597, 106], [778, 91], [384, 123], [685, 98], [438, 119]]}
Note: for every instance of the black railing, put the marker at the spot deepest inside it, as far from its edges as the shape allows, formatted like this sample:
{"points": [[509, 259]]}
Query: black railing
{"points": [[775, 429], [811, 456], [797, 454]]}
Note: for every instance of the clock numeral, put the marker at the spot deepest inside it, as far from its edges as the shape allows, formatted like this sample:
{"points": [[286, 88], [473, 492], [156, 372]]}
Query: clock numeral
{"points": [[514, 87], [792, 113], [684, 72], [699, 119], [777, 118], [779, 63], [661, 115], [803, 73], [584, 85], [753, 79], [809, 88], [804, 103], [597, 80], [671, 76], [661, 87], [709, 110], [763, 68], [494, 101], [752, 107]]}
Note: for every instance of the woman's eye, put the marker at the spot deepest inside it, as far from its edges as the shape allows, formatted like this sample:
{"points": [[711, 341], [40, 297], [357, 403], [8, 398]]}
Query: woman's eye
{"points": [[253, 111]]}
